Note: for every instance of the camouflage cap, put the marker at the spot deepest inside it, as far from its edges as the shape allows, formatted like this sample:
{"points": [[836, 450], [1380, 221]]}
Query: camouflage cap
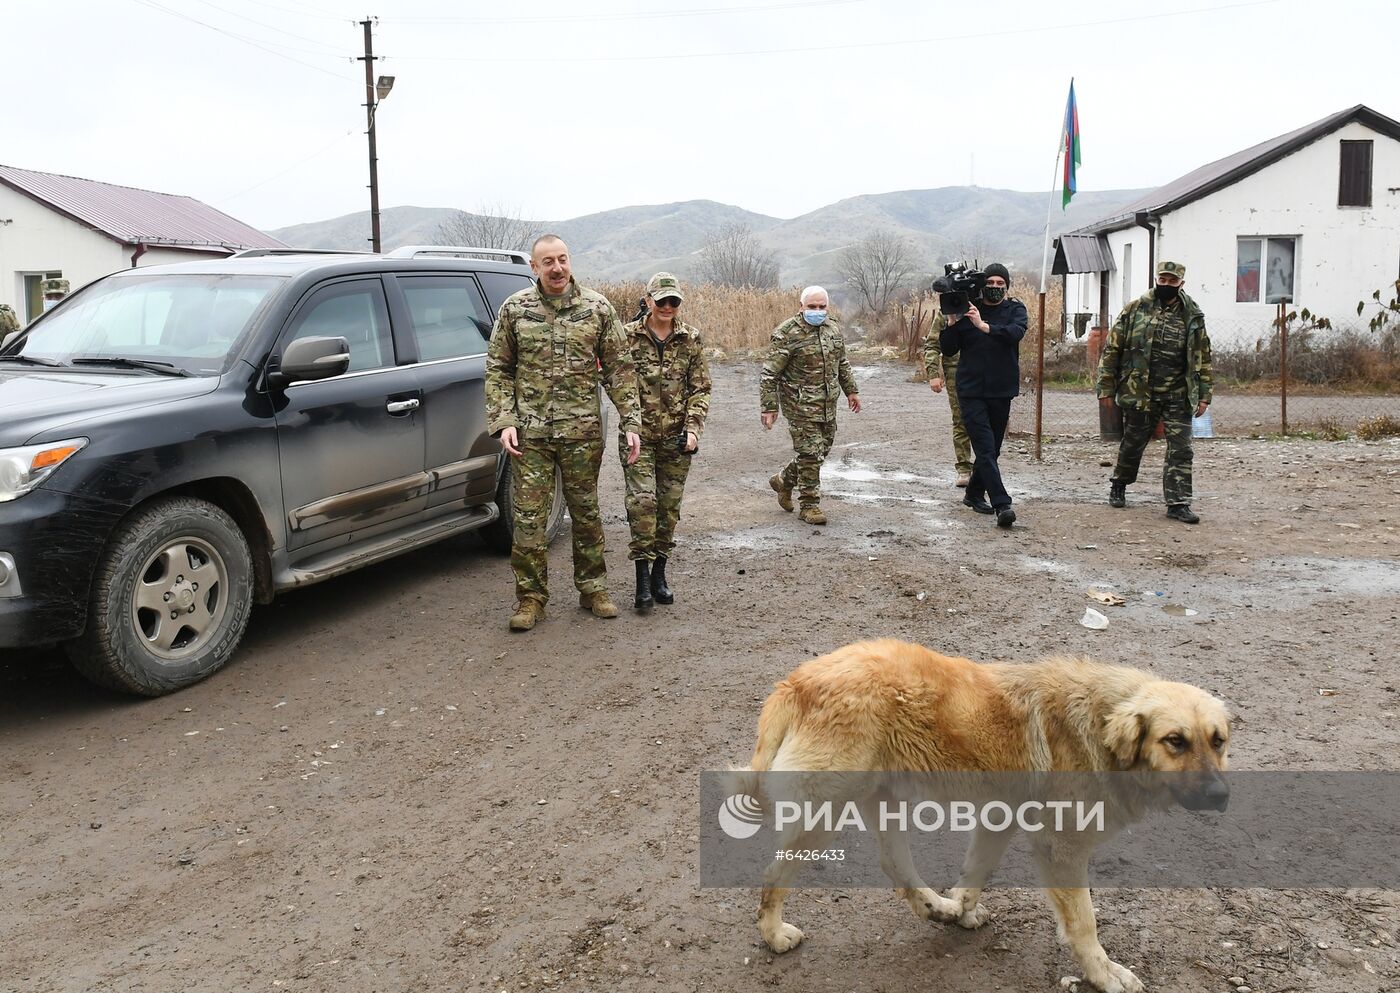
{"points": [[55, 286], [5, 308], [663, 284], [1171, 269]]}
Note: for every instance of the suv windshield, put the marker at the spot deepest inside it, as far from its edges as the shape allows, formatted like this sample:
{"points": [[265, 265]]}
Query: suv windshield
{"points": [[191, 321]]}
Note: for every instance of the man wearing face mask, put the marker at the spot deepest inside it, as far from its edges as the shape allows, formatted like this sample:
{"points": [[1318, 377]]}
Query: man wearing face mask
{"points": [[54, 291], [986, 341], [1156, 365], [804, 376]]}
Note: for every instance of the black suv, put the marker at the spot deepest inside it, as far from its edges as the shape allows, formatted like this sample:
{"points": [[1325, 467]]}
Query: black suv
{"points": [[178, 442]]}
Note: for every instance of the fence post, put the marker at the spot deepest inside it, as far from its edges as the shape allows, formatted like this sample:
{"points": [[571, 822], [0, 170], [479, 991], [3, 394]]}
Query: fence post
{"points": [[1040, 375], [1283, 364]]}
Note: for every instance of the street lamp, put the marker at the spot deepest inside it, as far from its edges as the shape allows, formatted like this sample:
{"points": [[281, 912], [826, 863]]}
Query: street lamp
{"points": [[374, 92]]}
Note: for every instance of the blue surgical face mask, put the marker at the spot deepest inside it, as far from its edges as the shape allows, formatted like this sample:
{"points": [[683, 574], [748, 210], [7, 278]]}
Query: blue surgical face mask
{"points": [[816, 318]]}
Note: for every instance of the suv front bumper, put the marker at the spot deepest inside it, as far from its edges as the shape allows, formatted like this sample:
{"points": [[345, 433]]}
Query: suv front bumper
{"points": [[53, 540]]}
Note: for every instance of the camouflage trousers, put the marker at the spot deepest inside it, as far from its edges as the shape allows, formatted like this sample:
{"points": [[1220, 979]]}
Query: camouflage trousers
{"points": [[654, 486], [1174, 410], [811, 442], [962, 445], [532, 494]]}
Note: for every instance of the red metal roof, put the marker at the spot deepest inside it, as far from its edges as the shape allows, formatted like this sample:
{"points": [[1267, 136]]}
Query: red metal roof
{"points": [[133, 216]]}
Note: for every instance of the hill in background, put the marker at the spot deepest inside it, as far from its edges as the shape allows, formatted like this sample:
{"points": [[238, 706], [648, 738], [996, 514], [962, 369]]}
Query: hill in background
{"points": [[945, 224]]}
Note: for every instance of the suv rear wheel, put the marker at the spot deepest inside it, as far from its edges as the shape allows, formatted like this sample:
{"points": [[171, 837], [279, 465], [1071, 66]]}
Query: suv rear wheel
{"points": [[170, 600], [497, 535]]}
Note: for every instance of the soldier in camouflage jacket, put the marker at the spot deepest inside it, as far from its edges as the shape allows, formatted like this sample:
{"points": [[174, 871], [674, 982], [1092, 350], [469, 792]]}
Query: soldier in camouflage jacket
{"points": [[553, 345], [1156, 366], [673, 384], [804, 376]]}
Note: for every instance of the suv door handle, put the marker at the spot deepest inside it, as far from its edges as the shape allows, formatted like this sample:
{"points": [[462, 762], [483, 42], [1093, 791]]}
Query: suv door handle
{"points": [[401, 406]]}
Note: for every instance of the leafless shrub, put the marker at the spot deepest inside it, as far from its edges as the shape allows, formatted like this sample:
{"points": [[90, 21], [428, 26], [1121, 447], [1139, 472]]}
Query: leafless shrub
{"points": [[877, 268], [493, 225], [734, 257]]}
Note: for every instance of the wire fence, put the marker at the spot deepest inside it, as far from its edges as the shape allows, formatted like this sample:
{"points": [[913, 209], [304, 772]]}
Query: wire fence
{"points": [[1330, 382]]}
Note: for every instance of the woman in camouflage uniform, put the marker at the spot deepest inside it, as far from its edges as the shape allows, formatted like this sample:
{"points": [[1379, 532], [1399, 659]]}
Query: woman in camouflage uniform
{"points": [[673, 385]]}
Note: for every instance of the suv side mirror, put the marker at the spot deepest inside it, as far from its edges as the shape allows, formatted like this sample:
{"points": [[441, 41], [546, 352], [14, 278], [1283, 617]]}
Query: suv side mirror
{"points": [[310, 359], [9, 338]]}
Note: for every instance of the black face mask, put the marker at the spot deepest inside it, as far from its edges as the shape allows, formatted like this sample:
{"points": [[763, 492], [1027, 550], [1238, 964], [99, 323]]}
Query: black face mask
{"points": [[993, 294], [1165, 294]]}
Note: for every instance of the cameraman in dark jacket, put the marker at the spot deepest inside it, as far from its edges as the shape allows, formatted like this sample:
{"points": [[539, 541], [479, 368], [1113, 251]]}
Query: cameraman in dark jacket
{"points": [[986, 341]]}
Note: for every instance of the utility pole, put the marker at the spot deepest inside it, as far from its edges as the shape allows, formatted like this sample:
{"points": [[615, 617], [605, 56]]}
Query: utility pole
{"points": [[369, 119]]}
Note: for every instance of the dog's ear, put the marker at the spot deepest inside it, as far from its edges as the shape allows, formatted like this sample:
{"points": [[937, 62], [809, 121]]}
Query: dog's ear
{"points": [[1124, 732]]}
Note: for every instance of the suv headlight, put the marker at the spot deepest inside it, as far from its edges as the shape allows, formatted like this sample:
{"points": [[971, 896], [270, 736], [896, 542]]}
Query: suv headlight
{"points": [[22, 469]]}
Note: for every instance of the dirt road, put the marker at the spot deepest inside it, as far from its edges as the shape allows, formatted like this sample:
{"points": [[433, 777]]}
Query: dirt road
{"points": [[388, 791]]}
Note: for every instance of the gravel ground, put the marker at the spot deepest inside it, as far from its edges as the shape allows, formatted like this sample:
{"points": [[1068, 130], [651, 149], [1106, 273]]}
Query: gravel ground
{"points": [[386, 790]]}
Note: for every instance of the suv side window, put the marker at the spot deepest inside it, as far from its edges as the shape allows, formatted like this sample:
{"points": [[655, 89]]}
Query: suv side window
{"points": [[353, 310], [499, 285], [449, 318]]}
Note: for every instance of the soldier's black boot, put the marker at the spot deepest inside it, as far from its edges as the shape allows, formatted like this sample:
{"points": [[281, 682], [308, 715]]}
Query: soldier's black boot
{"points": [[659, 589], [644, 601], [1117, 494]]}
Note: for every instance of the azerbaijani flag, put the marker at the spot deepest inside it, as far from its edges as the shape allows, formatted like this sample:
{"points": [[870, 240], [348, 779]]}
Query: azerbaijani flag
{"points": [[1071, 148]]}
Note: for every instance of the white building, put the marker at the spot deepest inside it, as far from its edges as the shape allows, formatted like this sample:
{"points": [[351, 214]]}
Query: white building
{"points": [[1311, 217], [80, 229]]}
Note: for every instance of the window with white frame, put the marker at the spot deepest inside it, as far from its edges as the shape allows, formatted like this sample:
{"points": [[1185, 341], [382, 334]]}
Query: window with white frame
{"points": [[1127, 272], [1265, 270]]}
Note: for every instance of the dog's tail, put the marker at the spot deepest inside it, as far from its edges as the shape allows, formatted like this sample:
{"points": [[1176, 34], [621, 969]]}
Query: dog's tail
{"points": [[779, 714]]}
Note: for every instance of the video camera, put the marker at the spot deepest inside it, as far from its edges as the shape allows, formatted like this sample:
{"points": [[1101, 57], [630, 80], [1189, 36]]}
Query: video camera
{"points": [[956, 288]]}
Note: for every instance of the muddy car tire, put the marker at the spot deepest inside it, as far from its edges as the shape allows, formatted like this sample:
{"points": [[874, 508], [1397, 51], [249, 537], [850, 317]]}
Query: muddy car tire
{"points": [[498, 534], [170, 600]]}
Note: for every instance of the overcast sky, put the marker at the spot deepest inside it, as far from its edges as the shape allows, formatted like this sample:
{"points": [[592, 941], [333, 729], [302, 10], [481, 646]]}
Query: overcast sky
{"points": [[559, 109]]}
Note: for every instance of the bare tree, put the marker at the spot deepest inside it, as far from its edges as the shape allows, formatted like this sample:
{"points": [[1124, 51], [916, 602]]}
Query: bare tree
{"points": [[878, 267], [493, 225], [734, 257]]}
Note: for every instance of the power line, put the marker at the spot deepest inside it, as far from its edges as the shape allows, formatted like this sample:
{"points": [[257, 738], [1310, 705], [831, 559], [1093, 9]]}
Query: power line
{"points": [[295, 165], [238, 37], [263, 24], [533, 56], [636, 15]]}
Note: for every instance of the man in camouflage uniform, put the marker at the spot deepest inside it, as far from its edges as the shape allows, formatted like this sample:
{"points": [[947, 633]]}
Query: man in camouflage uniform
{"points": [[9, 323], [553, 344], [942, 371], [54, 290], [1156, 365], [673, 384], [806, 368]]}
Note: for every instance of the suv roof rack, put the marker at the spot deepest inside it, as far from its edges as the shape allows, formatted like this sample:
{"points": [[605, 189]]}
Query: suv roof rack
{"points": [[253, 253], [413, 251]]}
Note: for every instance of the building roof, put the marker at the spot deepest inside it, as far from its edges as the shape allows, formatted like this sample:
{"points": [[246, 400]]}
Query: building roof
{"points": [[137, 217], [1081, 253], [1231, 169]]}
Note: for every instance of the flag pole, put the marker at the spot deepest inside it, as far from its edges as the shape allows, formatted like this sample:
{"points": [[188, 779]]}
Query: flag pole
{"points": [[1040, 319]]}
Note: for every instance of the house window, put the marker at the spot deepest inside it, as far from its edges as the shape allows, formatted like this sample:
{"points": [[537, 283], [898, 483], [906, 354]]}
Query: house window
{"points": [[1354, 184], [1127, 272], [1264, 270]]}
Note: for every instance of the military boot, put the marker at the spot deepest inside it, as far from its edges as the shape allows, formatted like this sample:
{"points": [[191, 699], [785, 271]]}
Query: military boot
{"points": [[1183, 512], [783, 490], [527, 612], [811, 515], [1117, 494], [659, 589], [599, 603], [643, 601]]}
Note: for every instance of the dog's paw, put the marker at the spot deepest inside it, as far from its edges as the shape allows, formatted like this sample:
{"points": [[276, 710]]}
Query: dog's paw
{"points": [[932, 907], [786, 938], [1114, 978], [975, 918]]}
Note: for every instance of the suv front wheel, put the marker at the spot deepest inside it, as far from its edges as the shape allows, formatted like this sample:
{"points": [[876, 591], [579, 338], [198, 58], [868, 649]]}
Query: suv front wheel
{"points": [[170, 600]]}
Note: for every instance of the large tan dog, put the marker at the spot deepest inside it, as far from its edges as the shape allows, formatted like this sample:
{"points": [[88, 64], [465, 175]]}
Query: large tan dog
{"points": [[890, 706]]}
